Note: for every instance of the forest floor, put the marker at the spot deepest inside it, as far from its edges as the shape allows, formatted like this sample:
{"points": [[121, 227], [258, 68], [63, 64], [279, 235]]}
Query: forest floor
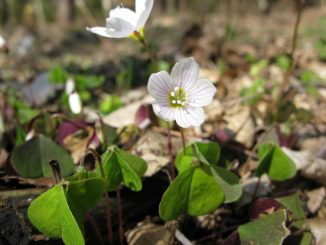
{"points": [[243, 53]]}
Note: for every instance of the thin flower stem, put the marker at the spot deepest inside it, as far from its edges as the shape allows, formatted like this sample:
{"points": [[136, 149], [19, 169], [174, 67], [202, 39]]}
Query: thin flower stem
{"points": [[183, 138], [169, 146], [142, 40], [153, 58], [121, 231], [106, 194], [149, 51], [293, 49], [95, 228]]}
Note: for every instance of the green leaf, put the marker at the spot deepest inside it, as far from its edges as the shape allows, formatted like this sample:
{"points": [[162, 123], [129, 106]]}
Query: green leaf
{"points": [[294, 204], [306, 238], [110, 103], [123, 167], [194, 192], [109, 135], [26, 114], [253, 93], [269, 229], [137, 164], [31, 159], [209, 154], [283, 62], [88, 82], [86, 192], [58, 75], [229, 183], [275, 163], [112, 170], [206, 152], [257, 68], [50, 214], [205, 195]]}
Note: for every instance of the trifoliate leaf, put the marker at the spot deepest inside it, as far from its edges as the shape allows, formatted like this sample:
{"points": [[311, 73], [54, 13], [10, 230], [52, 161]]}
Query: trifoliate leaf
{"points": [[193, 192], [123, 167], [31, 159], [206, 152], [275, 163], [208, 155]]}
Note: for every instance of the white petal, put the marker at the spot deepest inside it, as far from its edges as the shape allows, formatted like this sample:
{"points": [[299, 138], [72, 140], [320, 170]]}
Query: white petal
{"points": [[2, 42], [189, 117], [117, 27], [202, 94], [125, 14], [102, 31], [185, 73], [70, 86], [143, 9], [164, 112], [75, 103], [159, 86]]}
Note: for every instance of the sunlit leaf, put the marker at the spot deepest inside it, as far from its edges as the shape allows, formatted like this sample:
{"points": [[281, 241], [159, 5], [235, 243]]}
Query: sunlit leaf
{"points": [[192, 192], [275, 163], [208, 154], [50, 214]]}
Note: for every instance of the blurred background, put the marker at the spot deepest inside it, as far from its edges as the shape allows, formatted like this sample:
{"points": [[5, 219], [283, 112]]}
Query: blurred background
{"points": [[46, 42], [245, 47]]}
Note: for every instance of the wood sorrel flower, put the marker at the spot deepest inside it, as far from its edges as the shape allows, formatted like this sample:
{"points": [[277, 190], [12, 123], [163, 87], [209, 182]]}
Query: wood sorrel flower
{"points": [[123, 22], [182, 95]]}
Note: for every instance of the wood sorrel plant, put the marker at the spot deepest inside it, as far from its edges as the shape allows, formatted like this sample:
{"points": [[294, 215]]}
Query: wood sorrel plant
{"points": [[201, 185], [60, 211]]}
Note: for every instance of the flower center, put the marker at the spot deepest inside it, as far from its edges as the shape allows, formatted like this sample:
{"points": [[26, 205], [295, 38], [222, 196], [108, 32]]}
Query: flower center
{"points": [[177, 98]]}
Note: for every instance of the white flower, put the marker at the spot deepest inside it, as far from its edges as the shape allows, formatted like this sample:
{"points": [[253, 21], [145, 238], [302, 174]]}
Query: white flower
{"points": [[75, 103], [182, 95], [123, 22], [70, 86], [2, 42]]}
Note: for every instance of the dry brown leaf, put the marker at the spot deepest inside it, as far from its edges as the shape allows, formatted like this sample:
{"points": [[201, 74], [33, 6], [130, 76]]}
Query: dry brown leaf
{"points": [[310, 167], [78, 142], [318, 227], [149, 233], [152, 147], [315, 199]]}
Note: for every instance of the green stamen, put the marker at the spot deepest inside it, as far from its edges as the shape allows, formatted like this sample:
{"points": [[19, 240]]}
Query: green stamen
{"points": [[177, 98]]}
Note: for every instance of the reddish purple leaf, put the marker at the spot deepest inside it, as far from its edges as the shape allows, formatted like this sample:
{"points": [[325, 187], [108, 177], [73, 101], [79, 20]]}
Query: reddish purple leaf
{"points": [[264, 206], [142, 119], [69, 127]]}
